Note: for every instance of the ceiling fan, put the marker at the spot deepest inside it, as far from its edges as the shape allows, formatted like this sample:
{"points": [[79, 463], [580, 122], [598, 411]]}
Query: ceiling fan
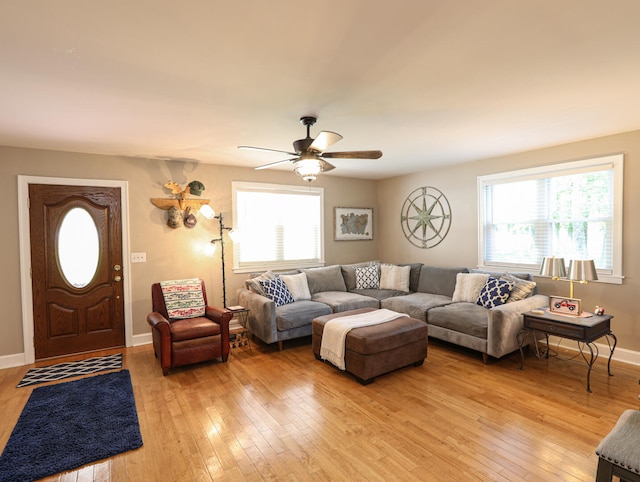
{"points": [[310, 153]]}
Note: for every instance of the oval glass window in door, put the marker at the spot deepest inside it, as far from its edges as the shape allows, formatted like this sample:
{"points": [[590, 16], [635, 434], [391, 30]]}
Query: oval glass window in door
{"points": [[78, 247]]}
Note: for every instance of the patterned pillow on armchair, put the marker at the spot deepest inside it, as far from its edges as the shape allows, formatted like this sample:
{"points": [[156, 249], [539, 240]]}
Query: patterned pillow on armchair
{"points": [[183, 298]]}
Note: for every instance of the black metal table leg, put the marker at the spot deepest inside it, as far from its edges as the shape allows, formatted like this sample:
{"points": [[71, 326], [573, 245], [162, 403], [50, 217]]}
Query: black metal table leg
{"points": [[592, 360], [611, 349]]}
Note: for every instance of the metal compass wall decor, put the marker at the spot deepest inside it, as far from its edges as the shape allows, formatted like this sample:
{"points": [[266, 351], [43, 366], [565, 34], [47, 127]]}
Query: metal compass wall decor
{"points": [[425, 217]]}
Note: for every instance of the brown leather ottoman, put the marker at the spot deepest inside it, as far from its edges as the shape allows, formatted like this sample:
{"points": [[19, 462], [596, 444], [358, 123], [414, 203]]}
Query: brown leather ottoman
{"points": [[374, 350]]}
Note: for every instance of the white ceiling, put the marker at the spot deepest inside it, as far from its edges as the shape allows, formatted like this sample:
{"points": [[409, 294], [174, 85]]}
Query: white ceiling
{"points": [[428, 82]]}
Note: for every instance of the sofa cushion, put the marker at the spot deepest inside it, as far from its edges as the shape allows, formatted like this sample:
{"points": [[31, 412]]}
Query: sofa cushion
{"points": [[299, 314], [494, 293], [395, 277], [192, 328], [379, 294], [349, 272], [468, 318], [439, 281], [325, 279], [276, 290], [415, 304], [297, 286], [521, 288], [414, 277], [499, 274], [253, 283], [367, 277], [516, 274], [468, 286], [340, 301]]}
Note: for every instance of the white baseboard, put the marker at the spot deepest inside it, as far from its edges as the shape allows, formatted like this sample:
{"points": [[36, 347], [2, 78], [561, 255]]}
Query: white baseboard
{"points": [[144, 339], [10, 361], [19, 359]]}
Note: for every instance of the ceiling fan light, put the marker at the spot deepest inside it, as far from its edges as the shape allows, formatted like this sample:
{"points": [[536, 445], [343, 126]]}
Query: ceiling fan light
{"points": [[308, 169]]}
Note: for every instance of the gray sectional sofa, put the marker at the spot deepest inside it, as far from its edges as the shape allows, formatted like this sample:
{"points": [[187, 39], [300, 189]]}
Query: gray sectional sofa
{"points": [[444, 298]]}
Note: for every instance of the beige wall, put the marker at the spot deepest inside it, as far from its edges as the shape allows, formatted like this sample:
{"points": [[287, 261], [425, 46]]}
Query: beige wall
{"points": [[171, 253], [176, 253], [460, 247]]}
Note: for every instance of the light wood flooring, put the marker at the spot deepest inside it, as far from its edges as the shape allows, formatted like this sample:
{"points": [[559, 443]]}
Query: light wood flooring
{"points": [[269, 415]]}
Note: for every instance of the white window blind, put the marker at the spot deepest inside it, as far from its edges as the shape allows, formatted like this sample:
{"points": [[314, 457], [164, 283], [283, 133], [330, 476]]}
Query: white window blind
{"points": [[571, 210], [280, 226]]}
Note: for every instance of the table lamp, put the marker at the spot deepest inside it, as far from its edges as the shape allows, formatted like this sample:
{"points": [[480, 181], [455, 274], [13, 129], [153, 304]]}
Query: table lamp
{"points": [[582, 271], [553, 267]]}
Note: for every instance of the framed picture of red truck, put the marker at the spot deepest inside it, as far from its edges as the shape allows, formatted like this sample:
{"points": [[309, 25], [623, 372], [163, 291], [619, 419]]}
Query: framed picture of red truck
{"points": [[565, 306]]}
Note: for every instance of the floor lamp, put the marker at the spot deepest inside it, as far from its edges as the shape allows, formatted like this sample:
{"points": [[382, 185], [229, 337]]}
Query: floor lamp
{"points": [[209, 213]]}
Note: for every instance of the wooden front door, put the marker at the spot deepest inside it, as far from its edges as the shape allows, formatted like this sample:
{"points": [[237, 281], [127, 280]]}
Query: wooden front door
{"points": [[76, 269]]}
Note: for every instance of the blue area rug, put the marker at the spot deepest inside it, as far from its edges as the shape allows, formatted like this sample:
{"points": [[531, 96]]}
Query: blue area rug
{"points": [[71, 369], [67, 425]]}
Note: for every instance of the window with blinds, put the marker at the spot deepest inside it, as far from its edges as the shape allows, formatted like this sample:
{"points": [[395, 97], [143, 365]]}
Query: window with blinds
{"points": [[280, 226], [571, 210]]}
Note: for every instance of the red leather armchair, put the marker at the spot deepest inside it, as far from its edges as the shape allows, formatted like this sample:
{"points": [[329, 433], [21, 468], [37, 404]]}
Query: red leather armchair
{"points": [[191, 340]]}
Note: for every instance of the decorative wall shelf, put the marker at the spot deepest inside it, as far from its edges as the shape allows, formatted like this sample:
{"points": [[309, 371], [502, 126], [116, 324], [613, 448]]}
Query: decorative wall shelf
{"points": [[181, 204], [180, 208]]}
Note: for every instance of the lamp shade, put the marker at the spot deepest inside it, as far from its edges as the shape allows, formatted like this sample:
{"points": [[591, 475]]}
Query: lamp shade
{"points": [[207, 211], [553, 267], [308, 169], [582, 270], [210, 249], [235, 235]]}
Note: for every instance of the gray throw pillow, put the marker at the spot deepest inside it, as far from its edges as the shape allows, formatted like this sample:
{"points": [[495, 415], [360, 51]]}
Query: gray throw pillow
{"points": [[253, 283], [325, 279], [521, 288]]}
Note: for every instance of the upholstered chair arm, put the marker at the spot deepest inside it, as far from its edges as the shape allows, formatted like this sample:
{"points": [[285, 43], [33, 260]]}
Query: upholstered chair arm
{"points": [[505, 322], [222, 317], [219, 315], [161, 333], [159, 322]]}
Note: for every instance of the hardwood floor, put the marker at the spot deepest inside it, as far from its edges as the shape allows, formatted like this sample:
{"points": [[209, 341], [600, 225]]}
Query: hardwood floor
{"points": [[286, 416]]}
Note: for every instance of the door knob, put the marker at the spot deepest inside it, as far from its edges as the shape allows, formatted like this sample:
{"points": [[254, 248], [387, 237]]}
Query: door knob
{"points": [[117, 278]]}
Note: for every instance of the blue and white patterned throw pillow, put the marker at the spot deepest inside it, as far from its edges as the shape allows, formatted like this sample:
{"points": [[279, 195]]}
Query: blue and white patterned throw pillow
{"points": [[494, 293], [367, 278], [276, 290]]}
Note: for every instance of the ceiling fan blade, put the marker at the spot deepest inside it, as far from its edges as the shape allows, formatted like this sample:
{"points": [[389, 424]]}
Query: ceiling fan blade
{"points": [[353, 155], [326, 166], [273, 164], [324, 140], [249, 148]]}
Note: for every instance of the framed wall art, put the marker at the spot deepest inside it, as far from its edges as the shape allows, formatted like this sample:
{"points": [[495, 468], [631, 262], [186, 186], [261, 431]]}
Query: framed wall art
{"points": [[353, 224]]}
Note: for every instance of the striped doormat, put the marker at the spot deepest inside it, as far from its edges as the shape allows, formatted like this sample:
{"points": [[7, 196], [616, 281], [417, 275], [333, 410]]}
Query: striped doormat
{"points": [[71, 369]]}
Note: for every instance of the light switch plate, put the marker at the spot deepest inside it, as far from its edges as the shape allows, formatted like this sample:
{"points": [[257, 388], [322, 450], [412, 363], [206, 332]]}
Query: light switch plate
{"points": [[138, 257]]}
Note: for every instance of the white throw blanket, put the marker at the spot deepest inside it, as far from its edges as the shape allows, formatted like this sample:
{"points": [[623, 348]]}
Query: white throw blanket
{"points": [[335, 332]]}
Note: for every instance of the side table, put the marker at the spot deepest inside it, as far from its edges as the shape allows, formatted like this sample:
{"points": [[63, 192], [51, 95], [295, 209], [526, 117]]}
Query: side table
{"points": [[238, 327], [584, 330]]}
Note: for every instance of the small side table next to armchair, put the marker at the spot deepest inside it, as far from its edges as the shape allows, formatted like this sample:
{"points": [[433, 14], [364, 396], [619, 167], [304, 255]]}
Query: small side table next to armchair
{"points": [[238, 327]]}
